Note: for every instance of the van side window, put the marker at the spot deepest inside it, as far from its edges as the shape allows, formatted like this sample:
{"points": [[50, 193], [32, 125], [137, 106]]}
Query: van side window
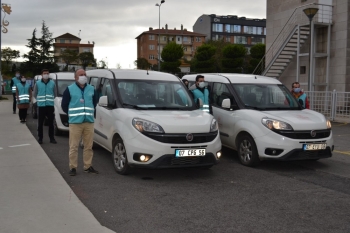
{"points": [[93, 81], [219, 93], [107, 91]]}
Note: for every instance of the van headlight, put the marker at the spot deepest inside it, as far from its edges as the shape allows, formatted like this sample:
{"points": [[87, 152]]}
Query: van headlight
{"points": [[213, 126], [329, 125], [146, 126], [275, 124]]}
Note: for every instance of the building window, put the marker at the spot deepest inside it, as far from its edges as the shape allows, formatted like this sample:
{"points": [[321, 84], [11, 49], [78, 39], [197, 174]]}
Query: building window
{"points": [[227, 39], [217, 37], [151, 57], [198, 39], [62, 49], [62, 41], [151, 37], [227, 28], [185, 39], [257, 40], [260, 30], [302, 69], [237, 29], [178, 39], [151, 47], [249, 30], [85, 50], [240, 40], [217, 27]]}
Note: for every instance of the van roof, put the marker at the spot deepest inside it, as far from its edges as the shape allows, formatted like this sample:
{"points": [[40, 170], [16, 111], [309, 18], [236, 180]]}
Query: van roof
{"points": [[58, 75], [234, 78], [132, 74]]}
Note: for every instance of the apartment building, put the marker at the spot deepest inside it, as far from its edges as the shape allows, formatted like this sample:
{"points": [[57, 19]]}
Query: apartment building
{"points": [[147, 44], [289, 37], [69, 41], [231, 28]]}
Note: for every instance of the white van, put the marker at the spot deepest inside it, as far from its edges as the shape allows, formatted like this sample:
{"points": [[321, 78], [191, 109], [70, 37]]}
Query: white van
{"points": [[259, 117], [62, 81], [148, 119]]}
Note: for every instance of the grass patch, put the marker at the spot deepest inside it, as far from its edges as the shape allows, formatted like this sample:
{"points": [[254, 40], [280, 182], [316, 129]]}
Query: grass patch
{"points": [[3, 98]]}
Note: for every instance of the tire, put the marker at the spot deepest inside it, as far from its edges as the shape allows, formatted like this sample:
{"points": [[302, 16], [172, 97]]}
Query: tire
{"points": [[247, 151], [56, 131], [119, 157]]}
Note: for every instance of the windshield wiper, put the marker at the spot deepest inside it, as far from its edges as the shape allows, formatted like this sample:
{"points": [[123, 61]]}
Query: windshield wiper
{"points": [[253, 107], [166, 108], [134, 106]]}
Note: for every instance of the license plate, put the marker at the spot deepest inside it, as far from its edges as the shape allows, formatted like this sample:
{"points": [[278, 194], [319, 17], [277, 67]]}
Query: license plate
{"points": [[193, 152], [315, 146]]}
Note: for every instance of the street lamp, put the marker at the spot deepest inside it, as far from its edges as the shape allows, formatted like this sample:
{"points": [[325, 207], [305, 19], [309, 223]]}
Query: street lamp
{"points": [[158, 5], [310, 13]]}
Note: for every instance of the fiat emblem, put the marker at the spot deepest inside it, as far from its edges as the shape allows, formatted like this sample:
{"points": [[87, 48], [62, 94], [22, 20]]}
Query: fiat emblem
{"points": [[313, 133], [189, 137]]}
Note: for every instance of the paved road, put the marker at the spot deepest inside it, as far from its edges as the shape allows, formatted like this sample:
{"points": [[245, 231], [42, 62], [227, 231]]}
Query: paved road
{"points": [[274, 197]]}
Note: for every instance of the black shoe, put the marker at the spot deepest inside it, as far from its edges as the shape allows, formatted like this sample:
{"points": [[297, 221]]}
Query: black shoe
{"points": [[73, 172], [53, 141], [23, 122], [14, 112], [91, 170], [40, 141]]}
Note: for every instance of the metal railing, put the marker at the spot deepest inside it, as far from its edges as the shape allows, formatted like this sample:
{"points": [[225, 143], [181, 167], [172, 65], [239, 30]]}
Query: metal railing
{"points": [[334, 105], [298, 17]]}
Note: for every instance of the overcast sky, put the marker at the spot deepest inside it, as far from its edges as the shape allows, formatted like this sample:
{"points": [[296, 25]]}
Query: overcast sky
{"points": [[113, 24]]}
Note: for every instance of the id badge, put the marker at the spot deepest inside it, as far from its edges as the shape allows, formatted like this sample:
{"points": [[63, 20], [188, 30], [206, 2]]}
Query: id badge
{"points": [[82, 101]]}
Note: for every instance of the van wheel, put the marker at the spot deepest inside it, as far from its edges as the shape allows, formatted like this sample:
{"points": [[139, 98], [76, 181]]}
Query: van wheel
{"points": [[57, 132], [120, 159], [247, 151]]}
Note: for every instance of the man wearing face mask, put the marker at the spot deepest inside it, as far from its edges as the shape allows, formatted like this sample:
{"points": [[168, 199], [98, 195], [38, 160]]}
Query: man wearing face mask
{"points": [[14, 81], [300, 95], [23, 96], [79, 103], [45, 93], [201, 91]]}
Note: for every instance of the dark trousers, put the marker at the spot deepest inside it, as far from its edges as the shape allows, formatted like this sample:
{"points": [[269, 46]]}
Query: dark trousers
{"points": [[14, 102], [22, 114], [43, 112]]}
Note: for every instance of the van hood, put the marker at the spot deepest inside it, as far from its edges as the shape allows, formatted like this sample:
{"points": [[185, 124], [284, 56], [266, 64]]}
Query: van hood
{"points": [[300, 120], [195, 121]]}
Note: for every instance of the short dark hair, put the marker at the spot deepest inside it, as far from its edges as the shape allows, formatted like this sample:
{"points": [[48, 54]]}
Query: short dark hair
{"points": [[44, 70], [17, 71], [198, 77], [295, 83]]}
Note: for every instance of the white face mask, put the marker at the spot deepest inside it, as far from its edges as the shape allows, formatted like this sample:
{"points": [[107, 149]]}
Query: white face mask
{"points": [[82, 80], [45, 76], [23, 79], [201, 84], [17, 75]]}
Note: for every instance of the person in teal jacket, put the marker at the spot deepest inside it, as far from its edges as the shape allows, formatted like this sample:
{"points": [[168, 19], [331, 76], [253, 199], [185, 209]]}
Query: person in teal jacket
{"points": [[14, 81], [79, 103], [23, 97], [201, 91]]}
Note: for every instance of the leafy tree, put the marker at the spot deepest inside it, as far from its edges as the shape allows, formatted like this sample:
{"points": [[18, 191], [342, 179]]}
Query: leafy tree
{"points": [[204, 60], [233, 58], [142, 63], [33, 54], [69, 56], [119, 66], [257, 52], [102, 64], [86, 59], [45, 44], [8, 55], [171, 55], [218, 56]]}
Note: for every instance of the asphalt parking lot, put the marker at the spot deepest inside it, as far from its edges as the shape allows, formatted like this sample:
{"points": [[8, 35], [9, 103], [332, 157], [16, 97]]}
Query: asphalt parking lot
{"points": [[303, 196]]}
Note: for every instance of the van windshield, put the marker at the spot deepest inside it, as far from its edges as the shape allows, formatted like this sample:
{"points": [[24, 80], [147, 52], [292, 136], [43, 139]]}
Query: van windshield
{"points": [[151, 94], [266, 97], [62, 85]]}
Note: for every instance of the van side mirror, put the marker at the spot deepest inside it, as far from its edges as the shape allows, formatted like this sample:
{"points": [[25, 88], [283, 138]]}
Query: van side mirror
{"points": [[200, 103], [226, 103], [103, 101]]}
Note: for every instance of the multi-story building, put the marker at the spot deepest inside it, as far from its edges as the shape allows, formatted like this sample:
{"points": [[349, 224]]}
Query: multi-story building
{"points": [[231, 28], [289, 37], [69, 41], [147, 44]]}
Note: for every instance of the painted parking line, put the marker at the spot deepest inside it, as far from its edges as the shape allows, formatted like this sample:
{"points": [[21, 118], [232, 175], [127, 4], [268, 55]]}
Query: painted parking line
{"points": [[342, 152], [19, 145], [1, 148], [337, 125]]}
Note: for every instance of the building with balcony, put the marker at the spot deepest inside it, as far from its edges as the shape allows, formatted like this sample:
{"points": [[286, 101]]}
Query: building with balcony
{"points": [[289, 37], [231, 28], [147, 44], [69, 41]]}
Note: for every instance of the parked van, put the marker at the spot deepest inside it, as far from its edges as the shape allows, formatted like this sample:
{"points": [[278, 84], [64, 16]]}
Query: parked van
{"points": [[62, 81], [259, 117], [148, 119]]}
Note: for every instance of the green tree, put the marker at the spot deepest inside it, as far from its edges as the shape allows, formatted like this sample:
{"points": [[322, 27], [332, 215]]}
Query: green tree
{"points": [[171, 55], [69, 56], [102, 64], [45, 45], [218, 56], [257, 52], [204, 61], [233, 58], [33, 44], [7, 55], [142, 63], [86, 59]]}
